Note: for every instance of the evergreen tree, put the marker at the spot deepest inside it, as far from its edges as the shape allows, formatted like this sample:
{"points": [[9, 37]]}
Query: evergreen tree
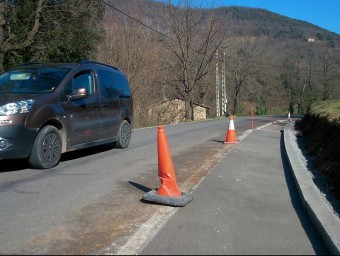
{"points": [[48, 30]]}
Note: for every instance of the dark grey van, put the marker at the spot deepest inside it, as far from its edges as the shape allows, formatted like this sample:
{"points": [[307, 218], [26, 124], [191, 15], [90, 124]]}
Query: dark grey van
{"points": [[50, 109]]}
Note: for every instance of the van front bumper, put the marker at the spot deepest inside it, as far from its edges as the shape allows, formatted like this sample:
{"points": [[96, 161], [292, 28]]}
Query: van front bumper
{"points": [[16, 141]]}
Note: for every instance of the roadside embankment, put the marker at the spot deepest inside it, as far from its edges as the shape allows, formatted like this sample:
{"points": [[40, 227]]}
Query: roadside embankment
{"points": [[321, 129]]}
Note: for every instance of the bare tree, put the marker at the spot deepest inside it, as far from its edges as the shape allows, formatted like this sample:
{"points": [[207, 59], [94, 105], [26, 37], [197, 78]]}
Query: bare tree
{"points": [[329, 67], [287, 78], [295, 78], [133, 49], [244, 59], [309, 89], [307, 77], [193, 36]]}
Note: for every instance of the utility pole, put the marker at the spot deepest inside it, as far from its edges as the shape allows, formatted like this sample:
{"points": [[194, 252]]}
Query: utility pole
{"points": [[224, 90], [218, 113]]}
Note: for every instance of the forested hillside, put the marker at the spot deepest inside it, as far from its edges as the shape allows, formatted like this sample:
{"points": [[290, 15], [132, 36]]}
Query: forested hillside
{"points": [[267, 62], [232, 59], [257, 22]]}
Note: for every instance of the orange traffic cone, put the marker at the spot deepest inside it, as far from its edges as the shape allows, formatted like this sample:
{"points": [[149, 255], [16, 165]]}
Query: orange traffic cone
{"points": [[166, 172], [168, 193], [231, 134]]}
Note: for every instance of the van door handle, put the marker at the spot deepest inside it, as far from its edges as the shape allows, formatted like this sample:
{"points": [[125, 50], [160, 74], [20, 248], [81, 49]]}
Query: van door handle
{"points": [[105, 105]]}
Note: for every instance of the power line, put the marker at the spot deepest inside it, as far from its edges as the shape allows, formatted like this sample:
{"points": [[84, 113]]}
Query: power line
{"points": [[127, 15], [273, 68], [143, 24]]}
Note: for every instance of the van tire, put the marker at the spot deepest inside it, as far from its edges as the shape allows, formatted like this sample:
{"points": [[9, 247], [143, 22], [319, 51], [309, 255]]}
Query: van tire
{"points": [[46, 151], [124, 135]]}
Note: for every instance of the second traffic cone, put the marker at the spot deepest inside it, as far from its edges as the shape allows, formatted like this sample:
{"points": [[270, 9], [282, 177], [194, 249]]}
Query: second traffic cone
{"points": [[231, 133], [168, 192]]}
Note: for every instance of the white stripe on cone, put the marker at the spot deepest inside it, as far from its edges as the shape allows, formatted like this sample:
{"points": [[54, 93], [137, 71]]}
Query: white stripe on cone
{"points": [[231, 125]]}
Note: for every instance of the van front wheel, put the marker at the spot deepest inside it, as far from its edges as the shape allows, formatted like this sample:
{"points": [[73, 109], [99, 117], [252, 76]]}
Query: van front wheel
{"points": [[124, 135], [46, 150]]}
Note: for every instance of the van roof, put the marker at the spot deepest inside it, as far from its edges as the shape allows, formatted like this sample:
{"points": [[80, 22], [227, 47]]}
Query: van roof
{"points": [[69, 65]]}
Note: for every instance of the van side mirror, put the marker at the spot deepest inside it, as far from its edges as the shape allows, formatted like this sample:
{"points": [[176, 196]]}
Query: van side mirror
{"points": [[81, 93]]}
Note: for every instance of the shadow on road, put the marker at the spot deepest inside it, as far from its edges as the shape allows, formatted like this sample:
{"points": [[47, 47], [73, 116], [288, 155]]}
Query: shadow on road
{"points": [[9, 165]]}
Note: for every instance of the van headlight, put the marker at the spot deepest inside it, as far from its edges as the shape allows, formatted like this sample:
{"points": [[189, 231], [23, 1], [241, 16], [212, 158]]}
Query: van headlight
{"points": [[19, 107]]}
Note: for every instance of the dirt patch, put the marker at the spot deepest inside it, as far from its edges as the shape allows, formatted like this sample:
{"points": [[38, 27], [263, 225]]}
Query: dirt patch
{"points": [[104, 227], [322, 142]]}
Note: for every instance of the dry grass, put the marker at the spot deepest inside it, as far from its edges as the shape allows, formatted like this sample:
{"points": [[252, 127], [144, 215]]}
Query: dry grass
{"points": [[328, 109]]}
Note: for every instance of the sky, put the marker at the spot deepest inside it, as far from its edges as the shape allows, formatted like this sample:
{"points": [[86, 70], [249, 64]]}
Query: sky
{"points": [[323, 13]]}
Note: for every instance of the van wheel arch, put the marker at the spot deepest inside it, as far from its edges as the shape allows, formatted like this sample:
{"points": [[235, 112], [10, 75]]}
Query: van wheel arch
{"points": [[47, 148]]}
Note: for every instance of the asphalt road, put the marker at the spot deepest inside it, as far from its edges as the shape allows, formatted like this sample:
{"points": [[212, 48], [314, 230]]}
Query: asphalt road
{"points": [[247, 204], [90, 203]]}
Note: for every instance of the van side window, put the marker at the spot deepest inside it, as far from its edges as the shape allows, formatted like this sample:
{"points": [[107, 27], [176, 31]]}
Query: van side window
{"points": [[83, 79], [123, 86], [108, 88], [113, 85]]}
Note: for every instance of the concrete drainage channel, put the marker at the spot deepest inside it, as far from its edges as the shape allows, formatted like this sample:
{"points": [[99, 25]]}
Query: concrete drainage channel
{"points": [[323, 217]]}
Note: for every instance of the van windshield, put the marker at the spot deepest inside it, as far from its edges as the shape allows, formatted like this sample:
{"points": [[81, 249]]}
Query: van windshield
{"points": [[32, 80]]}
